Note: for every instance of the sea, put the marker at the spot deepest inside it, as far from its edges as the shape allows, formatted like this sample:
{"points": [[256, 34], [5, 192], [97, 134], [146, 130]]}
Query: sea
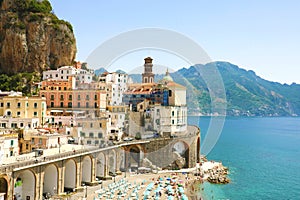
{"points": [[262, 154]]}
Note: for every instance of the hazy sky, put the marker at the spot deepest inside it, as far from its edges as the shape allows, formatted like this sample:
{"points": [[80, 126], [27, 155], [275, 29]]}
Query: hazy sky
{"points": [[263, 36]]}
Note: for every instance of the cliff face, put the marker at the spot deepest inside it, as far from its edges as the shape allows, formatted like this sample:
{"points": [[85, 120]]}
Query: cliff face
{"points": [[33, 39]]}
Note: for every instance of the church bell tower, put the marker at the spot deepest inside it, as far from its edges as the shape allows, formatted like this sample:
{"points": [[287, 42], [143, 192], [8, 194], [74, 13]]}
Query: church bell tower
{"points": [[148, 76]]}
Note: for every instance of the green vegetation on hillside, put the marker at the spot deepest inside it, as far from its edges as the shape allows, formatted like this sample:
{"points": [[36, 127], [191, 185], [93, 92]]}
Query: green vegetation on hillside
{"points": [[34, 6], [21, 82]]}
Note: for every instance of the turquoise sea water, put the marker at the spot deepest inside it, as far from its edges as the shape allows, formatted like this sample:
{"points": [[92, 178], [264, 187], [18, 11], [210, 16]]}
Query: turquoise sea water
{"points": [[263, 156]]}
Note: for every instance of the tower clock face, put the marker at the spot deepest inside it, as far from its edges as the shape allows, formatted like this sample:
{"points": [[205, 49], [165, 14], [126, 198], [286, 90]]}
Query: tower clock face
{"points": [[179, 147]]}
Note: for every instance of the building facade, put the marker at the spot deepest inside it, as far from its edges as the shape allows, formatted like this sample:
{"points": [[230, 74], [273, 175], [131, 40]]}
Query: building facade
{"points": [[23, 108]]}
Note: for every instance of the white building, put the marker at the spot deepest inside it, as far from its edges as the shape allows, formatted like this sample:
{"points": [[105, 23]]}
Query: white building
{"points": [[83, 76], [19, 122], [116, 84], [116, 124], [170, 119], [65, 72], [8, 145]]}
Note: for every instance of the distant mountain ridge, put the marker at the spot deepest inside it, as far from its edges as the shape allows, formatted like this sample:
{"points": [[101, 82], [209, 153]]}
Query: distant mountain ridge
{"points": [[246, 93]]}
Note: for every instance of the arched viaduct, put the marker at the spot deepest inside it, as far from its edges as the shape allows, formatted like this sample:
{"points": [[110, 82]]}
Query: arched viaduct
{"points": [[69, 171]]}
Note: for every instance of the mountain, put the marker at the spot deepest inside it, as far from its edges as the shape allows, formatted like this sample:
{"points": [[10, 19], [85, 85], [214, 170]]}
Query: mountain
{"points": [[246, 93], [32, 38], [120, 71], [100, 71]]}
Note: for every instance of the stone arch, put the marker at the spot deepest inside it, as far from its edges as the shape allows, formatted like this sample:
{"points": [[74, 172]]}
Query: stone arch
{"points": [[135, 156], [25, 185], [112, 161], [86, 169], [4, 186], [100, 166], [50, 180], [182, 148], [70, 175]]}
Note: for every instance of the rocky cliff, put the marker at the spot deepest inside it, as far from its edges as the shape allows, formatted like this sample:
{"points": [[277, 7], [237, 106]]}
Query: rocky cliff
{"points": [[32, 38]]}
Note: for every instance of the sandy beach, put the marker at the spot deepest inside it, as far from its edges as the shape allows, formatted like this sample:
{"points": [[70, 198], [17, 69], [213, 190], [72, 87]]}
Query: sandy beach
{"points": [[177, 185]]}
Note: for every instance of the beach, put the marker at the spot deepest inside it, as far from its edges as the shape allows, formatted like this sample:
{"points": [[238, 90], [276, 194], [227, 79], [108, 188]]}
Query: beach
{"points": [[177, 184]]}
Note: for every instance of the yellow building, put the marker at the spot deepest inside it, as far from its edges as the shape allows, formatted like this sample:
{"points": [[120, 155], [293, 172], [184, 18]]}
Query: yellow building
{"points": [[23, 107]]}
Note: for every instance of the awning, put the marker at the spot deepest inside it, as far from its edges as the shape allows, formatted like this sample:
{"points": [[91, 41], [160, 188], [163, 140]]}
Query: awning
{"points": [[56, 111], [75, 111]]}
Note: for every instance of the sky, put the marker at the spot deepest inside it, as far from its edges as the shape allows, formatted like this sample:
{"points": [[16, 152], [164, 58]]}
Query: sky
{"points": [[263, 36]]}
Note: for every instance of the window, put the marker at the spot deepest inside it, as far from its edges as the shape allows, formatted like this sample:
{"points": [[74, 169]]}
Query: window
{"points": [[52, 97], [40, 140], [27, 146], [8, 104], [87, 97], [61, 104], [173, 122], [11, 143], [78, 104], [52, 104], [100, 125], [91, 125], [82, 134], [170, 93], [61, 97], [87, 104], [70, 97], [32, 140], [100, 135], [18, 113], [78, 97], [8, 113], [65, 88], [70, 105], [21, 125], [1, 104], [35, 114], [89, 142], [96, 141], [173, 113], [35, 105], [96, 97], [19, 105], [95, 105], [91, 135]]}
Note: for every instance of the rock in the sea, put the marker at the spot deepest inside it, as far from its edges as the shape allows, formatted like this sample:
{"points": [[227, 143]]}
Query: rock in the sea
{"points": [[32, 38]]}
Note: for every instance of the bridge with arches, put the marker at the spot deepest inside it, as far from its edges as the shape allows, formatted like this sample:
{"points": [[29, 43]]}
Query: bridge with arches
{"points": [[69, 171]]}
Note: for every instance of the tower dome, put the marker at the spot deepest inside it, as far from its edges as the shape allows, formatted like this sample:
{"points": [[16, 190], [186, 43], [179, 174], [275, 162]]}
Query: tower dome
{"points": [[167, 77]]}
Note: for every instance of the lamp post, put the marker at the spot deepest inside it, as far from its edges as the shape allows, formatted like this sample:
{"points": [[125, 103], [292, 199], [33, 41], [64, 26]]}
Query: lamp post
{"points": [[114, 175], [85, 194]]}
